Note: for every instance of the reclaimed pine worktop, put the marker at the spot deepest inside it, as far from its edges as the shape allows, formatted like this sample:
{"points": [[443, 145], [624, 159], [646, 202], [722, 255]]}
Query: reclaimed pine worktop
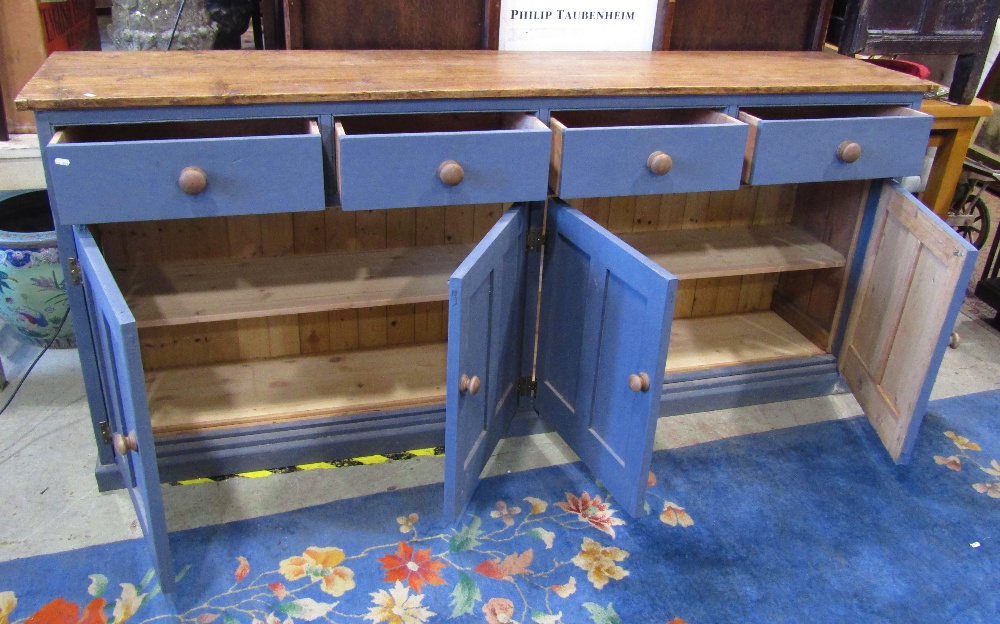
{"points": [[89, 80]]}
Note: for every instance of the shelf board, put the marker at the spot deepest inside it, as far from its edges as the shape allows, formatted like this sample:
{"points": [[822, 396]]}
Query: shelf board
{"points": [[224, 290], [261, 392], [715, 341], [317, 386], [722, 252]]}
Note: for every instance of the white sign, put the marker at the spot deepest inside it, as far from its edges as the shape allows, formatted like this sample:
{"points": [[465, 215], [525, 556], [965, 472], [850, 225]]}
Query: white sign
{"points": [[577, 24]]}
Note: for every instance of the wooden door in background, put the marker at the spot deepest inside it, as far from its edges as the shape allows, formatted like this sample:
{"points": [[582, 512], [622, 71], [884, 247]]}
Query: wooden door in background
{"points": [[746, 24], [959, 27], [391, 24]]}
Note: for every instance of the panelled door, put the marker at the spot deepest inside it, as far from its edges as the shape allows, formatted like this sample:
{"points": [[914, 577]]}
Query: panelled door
{"points": [[602, 347], [117, 347], [485, 314], [913, 280]]}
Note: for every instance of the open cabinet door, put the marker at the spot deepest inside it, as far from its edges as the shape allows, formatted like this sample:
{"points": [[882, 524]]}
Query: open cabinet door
{"points": [[912, 283], [604, 329], [485, 312], [117, 346]]}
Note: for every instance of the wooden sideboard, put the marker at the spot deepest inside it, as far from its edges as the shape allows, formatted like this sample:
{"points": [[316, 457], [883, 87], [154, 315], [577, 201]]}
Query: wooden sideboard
{"points": [[288, 257]]}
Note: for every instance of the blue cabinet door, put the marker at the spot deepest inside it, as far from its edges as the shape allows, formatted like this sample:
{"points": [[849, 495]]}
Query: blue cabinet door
{"points": [[117, 346], [485, 313], [602, 348]]}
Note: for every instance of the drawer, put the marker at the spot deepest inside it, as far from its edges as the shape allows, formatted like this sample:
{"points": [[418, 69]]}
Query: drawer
{"points": [[645, 152], [400, 161], [174, 170], [826, 143]]}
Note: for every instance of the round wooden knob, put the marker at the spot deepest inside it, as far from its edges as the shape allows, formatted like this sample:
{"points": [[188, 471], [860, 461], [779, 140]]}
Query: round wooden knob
{"points": [[659, 163], [848, 151], [638, 382], [468, 384], [451, 173], [123, 444], [193, 180]]}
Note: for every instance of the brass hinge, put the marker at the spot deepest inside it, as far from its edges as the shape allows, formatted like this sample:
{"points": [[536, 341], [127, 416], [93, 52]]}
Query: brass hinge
{"points": [[526, 386], [535, 239], [74, 271], [105, 432]]}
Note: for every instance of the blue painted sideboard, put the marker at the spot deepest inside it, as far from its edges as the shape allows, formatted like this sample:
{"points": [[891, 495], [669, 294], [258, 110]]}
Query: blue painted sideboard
{"points": [[282, 258]]}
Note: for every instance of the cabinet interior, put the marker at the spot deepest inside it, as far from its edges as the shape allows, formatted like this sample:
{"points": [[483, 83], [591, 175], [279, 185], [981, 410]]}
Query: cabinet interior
{"points": [[319, 314], [639, 117], [172, 130], [410, 123], [777, 113]]}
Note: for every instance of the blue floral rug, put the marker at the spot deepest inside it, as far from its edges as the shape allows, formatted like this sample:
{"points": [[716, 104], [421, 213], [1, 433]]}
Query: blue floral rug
{"points": [[806, 524]]}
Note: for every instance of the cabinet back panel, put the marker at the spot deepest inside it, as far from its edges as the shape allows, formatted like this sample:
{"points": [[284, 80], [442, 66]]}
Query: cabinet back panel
{"points": [[129, 244], [750, 205], [725, 295]]}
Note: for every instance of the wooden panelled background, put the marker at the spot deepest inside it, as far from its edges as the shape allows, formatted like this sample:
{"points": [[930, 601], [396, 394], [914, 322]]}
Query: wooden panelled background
{"points": [[130, 244]]}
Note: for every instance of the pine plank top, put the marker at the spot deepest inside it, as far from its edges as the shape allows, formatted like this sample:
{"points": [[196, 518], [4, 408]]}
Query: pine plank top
{"points": [[89, 80]]}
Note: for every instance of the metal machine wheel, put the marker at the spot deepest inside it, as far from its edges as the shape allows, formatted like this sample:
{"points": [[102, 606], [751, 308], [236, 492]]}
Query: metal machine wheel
{"points": [[975, 226]]}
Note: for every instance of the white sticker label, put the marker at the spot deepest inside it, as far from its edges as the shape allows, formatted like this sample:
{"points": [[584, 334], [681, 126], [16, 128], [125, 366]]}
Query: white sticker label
{"points": [[577, 25], [62, 161]]}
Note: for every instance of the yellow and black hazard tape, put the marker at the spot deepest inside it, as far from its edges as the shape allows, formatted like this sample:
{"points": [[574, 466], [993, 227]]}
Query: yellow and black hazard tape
{"points": [[339, 463]]}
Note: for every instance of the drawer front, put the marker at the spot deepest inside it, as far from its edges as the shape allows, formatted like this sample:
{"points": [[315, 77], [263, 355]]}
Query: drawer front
{"points": [[806, 150], [602, 162], [139, 180], [402, 170]]}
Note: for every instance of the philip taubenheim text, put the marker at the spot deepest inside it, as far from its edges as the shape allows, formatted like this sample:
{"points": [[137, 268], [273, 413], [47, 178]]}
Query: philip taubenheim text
{"points": [[572, 15]]}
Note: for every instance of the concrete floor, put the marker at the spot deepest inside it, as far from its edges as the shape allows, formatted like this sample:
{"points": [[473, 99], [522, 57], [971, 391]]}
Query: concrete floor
{"points": [[47, 454]]}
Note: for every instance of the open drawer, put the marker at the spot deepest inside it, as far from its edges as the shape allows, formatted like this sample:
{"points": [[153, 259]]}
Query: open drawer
{"points": [[403, 161], [645, 152], [175, 170], [827, 143]]}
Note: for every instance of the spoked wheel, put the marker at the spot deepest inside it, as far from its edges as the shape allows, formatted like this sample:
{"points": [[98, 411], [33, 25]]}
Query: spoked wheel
{"points": [[976, 229]]}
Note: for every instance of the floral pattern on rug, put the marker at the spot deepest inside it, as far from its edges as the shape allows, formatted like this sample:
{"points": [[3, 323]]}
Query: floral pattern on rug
{"points": [[514, 545], [98, 610], [957, 460]]}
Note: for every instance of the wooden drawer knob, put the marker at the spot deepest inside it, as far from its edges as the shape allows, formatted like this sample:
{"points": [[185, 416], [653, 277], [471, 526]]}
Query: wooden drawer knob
{"points": [[848, 151], [638, 382], [123, 444], [451, 173], [193, 180], [659, 163], [468, 384]]}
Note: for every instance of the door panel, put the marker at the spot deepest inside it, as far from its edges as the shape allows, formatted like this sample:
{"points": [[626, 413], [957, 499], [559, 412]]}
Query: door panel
{"points": [[486, 305], [914, 277], [605, 316], [117, 344]]}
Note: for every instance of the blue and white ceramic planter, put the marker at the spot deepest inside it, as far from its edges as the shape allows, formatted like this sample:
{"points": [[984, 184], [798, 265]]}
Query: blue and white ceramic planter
{"points": [[32, 295]]}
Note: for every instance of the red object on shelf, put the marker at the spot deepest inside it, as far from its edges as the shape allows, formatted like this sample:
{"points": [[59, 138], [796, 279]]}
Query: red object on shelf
{"points": [[906, 67]]}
